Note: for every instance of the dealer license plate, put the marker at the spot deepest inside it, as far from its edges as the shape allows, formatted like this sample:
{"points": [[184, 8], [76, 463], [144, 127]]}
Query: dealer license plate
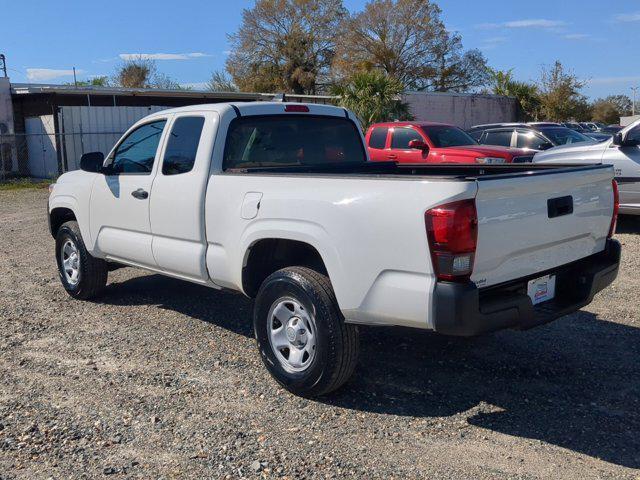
{"points": [[541, 289]]}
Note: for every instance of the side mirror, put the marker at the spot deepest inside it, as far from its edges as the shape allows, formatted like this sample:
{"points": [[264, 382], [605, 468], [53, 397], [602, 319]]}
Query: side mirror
{"points": [[546, 146], [92, 162], [617, 139], [418, 145], [621, 141]]}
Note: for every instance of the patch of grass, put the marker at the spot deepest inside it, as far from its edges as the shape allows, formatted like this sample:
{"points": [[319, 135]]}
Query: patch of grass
{"points": [[23, 183]]}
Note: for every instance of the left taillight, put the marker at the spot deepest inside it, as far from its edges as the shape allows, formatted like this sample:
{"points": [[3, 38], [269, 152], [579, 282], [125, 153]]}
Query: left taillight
{"points": [[452, 232], [616, 208]]}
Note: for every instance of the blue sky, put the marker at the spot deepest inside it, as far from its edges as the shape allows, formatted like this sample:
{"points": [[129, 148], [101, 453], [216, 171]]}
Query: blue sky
{"points": [[43, 40]]}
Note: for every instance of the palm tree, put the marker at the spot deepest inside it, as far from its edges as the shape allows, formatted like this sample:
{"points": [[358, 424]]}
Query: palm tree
{"points": [[373, 96], [528, 94]]}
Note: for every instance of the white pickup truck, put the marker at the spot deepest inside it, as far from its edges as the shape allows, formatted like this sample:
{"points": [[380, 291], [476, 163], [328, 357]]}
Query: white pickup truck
{"points": [[279, 201]]}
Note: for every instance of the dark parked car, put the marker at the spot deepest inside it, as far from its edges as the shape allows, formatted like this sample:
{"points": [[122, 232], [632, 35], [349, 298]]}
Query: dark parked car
{"points": [[593, 126], [532, 136], [576, 126], [611, 129], [598, 136]]}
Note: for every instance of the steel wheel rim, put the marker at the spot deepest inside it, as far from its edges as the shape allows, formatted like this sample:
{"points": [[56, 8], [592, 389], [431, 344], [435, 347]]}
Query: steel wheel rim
{"points": [[70, 262], [292, 334]]}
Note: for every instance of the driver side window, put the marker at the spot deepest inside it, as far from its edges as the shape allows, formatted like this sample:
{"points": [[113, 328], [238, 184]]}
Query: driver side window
{"points": [[634, 134], [137, 152], [402, 136]]}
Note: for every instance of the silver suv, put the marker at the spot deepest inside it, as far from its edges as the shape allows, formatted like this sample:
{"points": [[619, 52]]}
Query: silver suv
{"points": [[622, 151]]}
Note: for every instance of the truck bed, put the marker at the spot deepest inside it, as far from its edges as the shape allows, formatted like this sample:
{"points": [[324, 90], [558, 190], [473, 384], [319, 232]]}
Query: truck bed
{"points": [[439, 171]]}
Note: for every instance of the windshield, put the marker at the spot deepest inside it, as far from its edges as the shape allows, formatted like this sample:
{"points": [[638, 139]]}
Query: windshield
{"points": [[563, 135], [447, 136], [292, 140]]}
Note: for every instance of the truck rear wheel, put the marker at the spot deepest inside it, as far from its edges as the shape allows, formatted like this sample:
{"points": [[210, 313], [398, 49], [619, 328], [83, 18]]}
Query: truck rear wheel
{"points": [[301, 334], [82, 275]]}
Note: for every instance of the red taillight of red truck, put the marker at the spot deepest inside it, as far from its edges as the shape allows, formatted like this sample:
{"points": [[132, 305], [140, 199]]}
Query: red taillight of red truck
{"points": [[616, 208], [452, 231]]}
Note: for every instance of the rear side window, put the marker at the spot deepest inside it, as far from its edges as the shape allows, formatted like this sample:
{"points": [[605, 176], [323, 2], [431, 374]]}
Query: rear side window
{"points": [[501, 137], [402, 136], [528, 139], [378, 137], [292, 140], [182, 146]]}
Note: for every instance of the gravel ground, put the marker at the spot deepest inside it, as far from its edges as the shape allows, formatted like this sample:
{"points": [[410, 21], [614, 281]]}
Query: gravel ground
{"points": [[161, 379]]}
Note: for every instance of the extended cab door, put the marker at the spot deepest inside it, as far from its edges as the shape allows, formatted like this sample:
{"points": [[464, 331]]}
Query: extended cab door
{"points": [[177, 196], [377, 143], [119, 211]]}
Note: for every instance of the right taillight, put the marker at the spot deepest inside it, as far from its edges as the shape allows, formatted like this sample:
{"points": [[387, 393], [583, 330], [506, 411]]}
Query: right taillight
{"points": [[452, 231], [616, 208]]}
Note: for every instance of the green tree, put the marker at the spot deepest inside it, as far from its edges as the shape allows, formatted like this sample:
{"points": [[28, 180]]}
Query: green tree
{"points": [[92, 82], [165, 82], [220, 81], [143, 73], [455, 70], [373, 96], [285, 45], [135, 73], [527, 94], [609, 110], [560, 94], [407, 40]]}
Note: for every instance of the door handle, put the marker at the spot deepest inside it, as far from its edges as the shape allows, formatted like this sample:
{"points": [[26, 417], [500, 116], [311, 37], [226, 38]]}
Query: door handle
{"points": [[140, 194], [393, 156]]}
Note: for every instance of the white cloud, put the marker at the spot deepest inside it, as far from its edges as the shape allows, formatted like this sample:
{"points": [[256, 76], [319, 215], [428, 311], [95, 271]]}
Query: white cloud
{"points": [[614, 80], [535, 23], [44, 74], [526, 23], [627, 17], [576, 36], [493, 42], [162, 56]]}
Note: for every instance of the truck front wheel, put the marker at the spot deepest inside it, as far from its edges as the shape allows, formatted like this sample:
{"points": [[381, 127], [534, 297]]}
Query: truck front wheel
{"points": [[301, 334], [82, 275]]}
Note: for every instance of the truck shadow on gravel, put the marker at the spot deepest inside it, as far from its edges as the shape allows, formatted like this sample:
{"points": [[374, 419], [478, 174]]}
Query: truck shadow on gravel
{"points": [[628, 224], [574, 383]]}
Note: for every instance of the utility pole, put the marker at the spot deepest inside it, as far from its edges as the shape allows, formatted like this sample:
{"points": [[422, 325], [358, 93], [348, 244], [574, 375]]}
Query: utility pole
{"points": [[633, 102], [75, 82]]}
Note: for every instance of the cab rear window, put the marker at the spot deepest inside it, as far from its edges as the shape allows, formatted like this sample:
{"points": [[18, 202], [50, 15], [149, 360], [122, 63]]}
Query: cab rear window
{"points": [[291, 140]]}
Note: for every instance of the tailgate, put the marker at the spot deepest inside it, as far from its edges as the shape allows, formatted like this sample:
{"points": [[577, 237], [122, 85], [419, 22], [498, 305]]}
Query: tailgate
{"points": [[538, 221]]}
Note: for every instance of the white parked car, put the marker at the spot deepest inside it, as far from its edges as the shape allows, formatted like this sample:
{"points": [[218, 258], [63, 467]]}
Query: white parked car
{"points": [[279, 201], [622, 151]]}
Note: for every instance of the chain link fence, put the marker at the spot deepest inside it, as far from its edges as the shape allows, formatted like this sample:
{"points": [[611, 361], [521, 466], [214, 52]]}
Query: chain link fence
{"points": [[48, 155]]}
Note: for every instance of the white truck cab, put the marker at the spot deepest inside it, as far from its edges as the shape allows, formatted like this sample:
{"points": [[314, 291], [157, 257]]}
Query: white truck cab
{"points": [[279, 201]]}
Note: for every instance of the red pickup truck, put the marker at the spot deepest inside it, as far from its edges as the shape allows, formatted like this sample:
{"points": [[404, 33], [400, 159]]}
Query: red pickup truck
{"points": [[428, 142]]}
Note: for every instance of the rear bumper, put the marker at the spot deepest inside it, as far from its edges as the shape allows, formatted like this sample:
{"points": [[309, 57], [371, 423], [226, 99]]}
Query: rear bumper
{"points": [[465, 310]]}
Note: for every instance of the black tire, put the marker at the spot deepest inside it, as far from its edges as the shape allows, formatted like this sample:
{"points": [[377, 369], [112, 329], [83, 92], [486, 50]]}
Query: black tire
{"points": [[336, 342], [93, 272]]}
